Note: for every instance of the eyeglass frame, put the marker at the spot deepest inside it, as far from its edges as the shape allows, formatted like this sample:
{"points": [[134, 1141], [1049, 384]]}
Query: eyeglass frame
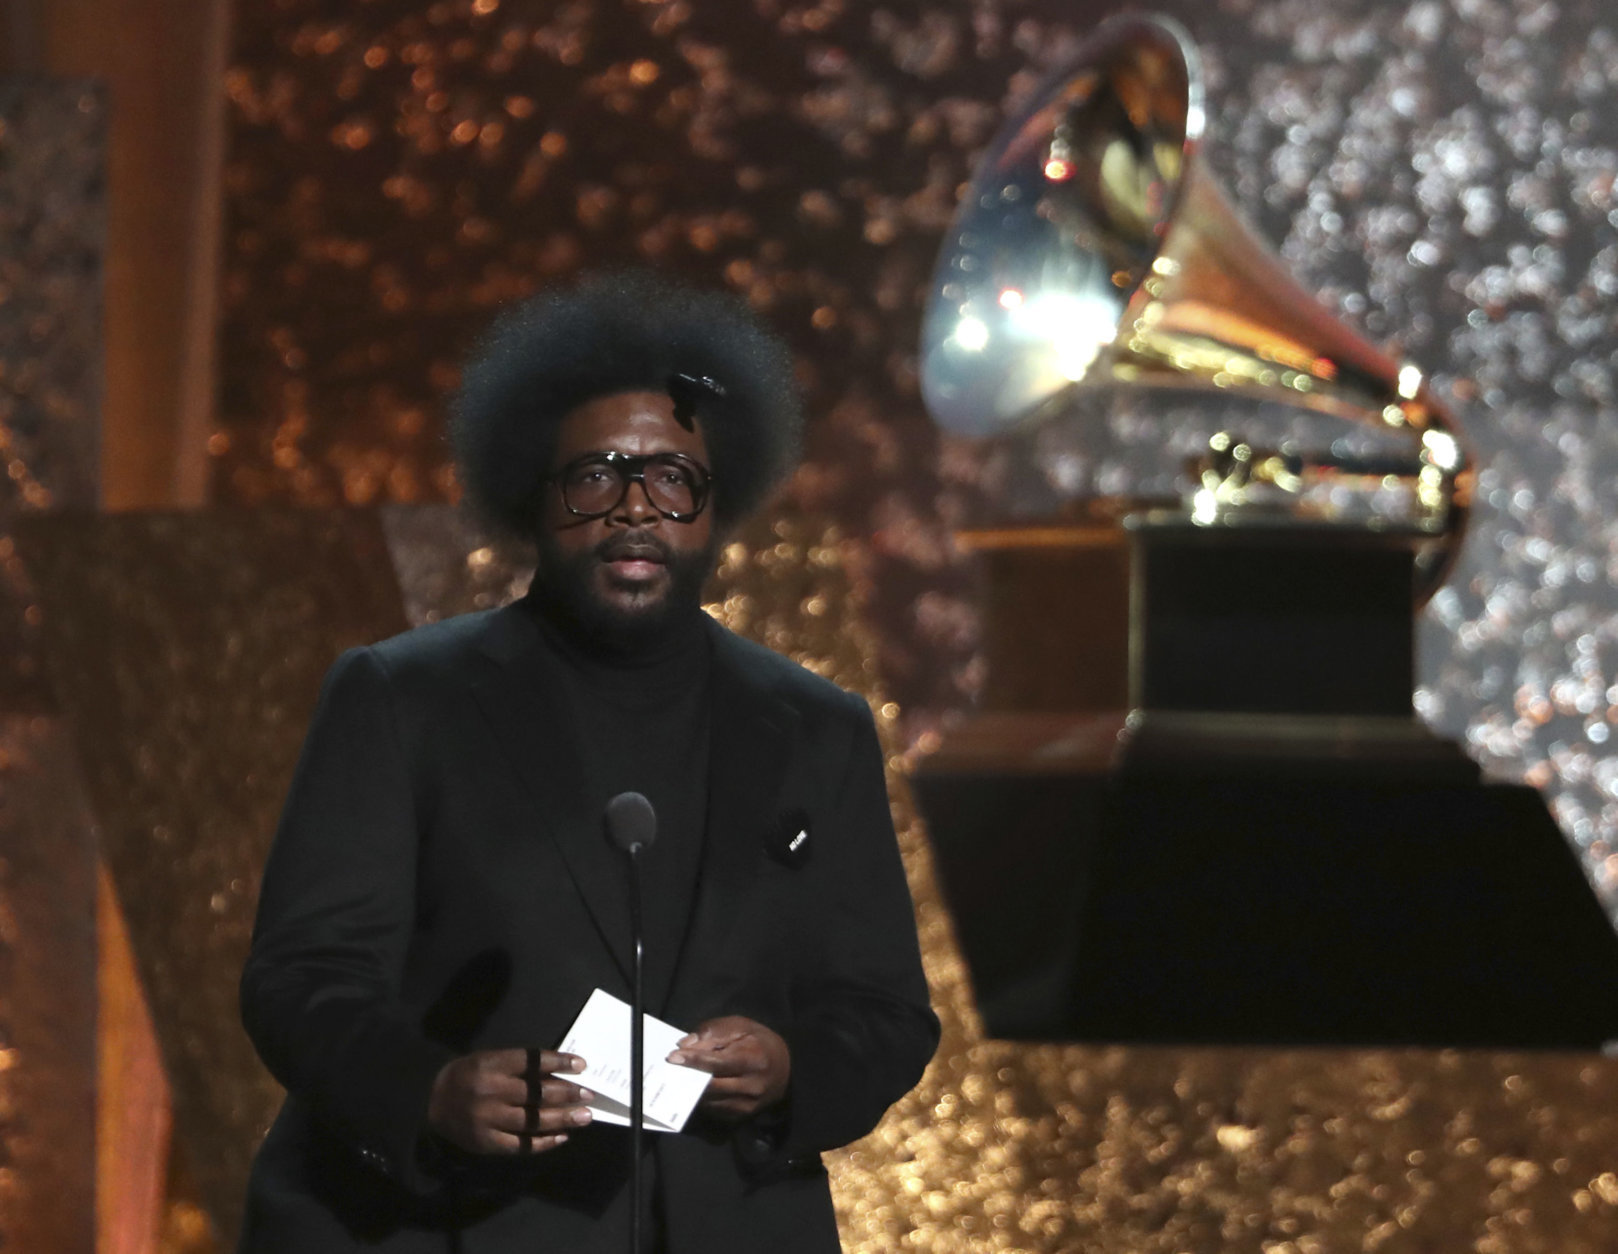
{"points": [[702, 483]]}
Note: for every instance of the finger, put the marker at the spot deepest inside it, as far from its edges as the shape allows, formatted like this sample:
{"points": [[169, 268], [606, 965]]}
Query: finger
{"points": [[553, 1063], [540, 1088], [535, 1120], [704, 1055], [563, 1093], [495, 1092], [715, 1037], [508, 1062], [492, 1089], [748, 1086], [500, 1142], [726, 1062]]}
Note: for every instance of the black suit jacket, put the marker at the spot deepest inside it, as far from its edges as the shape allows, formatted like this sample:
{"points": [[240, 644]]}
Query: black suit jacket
{"points": [[436, 887]]}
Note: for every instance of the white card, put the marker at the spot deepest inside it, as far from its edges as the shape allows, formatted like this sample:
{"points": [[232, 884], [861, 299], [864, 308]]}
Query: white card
{"points": [[600, 1036]]}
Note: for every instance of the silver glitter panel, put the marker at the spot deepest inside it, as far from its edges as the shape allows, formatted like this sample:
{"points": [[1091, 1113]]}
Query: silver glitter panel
{"points": [[52, 228]]}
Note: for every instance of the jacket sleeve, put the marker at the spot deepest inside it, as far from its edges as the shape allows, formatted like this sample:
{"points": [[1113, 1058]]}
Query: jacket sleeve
{"points": [[320, 991], [862, 1030]]}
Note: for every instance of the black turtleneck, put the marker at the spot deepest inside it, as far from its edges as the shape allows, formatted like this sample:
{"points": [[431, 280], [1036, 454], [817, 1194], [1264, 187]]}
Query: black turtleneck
{"points": [[639, 711], [640, 715]]}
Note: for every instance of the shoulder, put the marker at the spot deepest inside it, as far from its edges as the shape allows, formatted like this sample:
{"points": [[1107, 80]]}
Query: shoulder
{"points": [[445, 651], [418, 680]]}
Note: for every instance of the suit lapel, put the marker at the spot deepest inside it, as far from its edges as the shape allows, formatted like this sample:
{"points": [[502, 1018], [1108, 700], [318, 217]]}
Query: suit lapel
{"points": [[750, 743], [524, 703]]}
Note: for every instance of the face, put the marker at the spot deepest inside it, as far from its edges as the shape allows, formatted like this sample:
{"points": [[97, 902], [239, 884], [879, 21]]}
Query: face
{"points": [[631, 569]]}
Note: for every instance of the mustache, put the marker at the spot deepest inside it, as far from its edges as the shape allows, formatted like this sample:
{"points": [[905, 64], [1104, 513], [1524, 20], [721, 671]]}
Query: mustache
{"points": [[630, 547]]}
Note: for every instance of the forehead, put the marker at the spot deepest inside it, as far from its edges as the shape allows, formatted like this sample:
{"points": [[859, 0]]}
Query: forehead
{"points": [[626, 422]]}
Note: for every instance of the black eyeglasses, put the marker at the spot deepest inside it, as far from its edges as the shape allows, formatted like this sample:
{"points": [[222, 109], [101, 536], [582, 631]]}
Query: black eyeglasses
{"points": [[594, 485]]}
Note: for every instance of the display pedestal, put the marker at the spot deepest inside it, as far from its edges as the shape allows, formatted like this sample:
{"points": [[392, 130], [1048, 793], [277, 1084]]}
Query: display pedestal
{"points": [[1270, 850]]}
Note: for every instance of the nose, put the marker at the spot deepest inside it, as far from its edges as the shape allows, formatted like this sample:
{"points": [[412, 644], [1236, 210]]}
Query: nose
{"points": [[636, 509]]}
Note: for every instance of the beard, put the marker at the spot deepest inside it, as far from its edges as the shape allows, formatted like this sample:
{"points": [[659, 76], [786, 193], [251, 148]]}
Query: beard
{"points": [[638, 616]]}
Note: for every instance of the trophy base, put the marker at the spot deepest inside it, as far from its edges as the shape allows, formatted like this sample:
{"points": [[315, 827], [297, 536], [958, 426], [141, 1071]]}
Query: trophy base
{"points": [[1349, 883], [1252, 619]]}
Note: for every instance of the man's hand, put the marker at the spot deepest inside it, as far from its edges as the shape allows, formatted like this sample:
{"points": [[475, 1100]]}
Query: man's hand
{"points": [[508, 1101], [750, 1065]]}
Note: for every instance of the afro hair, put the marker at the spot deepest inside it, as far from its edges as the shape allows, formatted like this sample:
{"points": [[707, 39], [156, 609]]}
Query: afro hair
{"points": [[625, 331]]}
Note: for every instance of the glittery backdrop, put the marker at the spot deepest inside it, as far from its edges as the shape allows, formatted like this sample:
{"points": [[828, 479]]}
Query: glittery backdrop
{"points": [[1440, 172], [400, 170]]}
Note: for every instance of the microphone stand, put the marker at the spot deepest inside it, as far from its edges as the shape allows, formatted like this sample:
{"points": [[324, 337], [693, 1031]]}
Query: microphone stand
{"points": [[637, 1059], [632, 826]]}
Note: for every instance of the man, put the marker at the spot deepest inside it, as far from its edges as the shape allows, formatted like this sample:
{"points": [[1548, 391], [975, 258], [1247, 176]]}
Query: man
{"points": [[441, 900]]}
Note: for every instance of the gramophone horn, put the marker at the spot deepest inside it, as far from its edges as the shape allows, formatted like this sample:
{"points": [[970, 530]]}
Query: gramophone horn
{"points": [[1092, 248]]}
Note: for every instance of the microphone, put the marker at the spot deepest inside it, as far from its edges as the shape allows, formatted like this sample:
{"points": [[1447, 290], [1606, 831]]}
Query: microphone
{"points": [[631, 822], [632, 826]]}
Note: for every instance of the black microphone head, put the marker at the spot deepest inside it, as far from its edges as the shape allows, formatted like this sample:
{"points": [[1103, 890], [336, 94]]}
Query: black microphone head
{"points": [[631, 822]]}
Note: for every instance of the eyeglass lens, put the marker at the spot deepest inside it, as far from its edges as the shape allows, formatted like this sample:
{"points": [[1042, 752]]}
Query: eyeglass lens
{"points": [[597, 486]]}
